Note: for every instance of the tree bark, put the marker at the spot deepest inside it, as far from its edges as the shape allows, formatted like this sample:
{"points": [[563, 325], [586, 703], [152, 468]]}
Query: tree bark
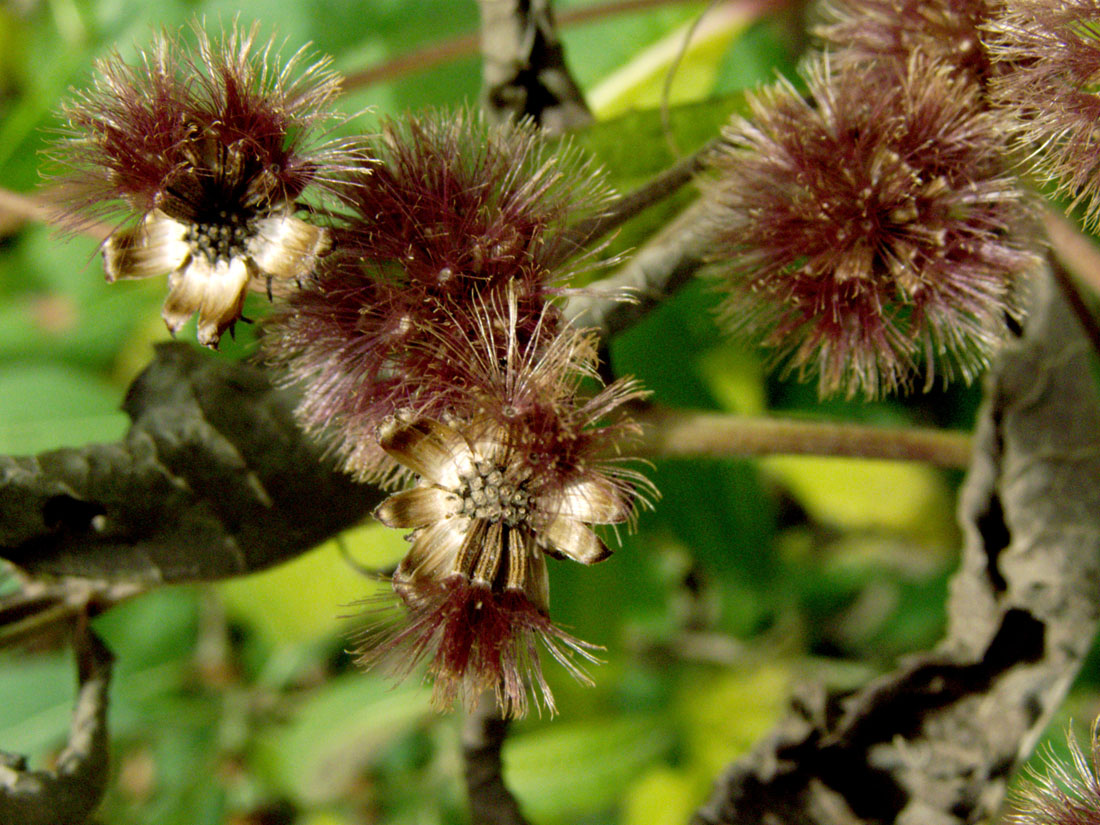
{"points": [[935, 741]]}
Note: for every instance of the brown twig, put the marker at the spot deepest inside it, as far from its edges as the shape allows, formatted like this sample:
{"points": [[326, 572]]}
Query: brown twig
{"points": [[21, 208], [684, 433], [17, 208], [70, 792]]}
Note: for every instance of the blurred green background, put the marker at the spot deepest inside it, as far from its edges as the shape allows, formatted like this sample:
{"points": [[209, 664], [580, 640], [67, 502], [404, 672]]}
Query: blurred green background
{"points": [[238, 703]]}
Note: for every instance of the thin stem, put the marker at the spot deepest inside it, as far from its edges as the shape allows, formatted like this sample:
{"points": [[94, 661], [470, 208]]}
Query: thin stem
{"points": [[685, 433], [1076, 301], [664, 184], [661, 266], [1072, 247], [1074, 255], [491, 803], [19, 207]]}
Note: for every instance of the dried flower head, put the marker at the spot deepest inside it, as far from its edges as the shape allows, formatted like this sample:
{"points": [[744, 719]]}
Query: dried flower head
{"points": [[867, 229], [1050, 51], [864, 31], [1064, 795], [211, 152], [518, 477], [454, 213]]}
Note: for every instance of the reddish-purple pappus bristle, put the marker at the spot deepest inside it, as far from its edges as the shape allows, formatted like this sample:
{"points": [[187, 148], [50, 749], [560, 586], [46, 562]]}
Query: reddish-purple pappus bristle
{"points": [[1060, 793], [486, 510], [474, 640], [143, 126], [869, 232], [1048, 53], [454, 213], [869, 31], [205, 153], [488, 203]]}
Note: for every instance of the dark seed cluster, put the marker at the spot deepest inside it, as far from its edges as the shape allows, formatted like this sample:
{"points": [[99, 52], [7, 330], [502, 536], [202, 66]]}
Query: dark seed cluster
{"points": [[490, 495], [223, 239]]}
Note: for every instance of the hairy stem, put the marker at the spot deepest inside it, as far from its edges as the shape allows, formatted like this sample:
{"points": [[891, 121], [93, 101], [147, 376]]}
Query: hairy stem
{"points": [[684, 433], [1075, 260], [667, 261]]}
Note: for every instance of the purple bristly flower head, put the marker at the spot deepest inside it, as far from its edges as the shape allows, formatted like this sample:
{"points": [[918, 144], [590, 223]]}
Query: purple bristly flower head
{"points": [[517, 475], [210, 150], [1050, 84], [863, 31], [454, 214], [868, 230], [1064, 794]]}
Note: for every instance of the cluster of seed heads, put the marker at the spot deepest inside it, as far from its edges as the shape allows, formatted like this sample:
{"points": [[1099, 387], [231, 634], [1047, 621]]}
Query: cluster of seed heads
{"points": [[223, 239], [488, 494]]}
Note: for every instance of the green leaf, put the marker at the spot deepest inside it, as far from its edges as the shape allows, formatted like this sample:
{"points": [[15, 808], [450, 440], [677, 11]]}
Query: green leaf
{"points": [[347, 724], [569, 769], [36, 701], [276, 605], [642, 82], [45, 406]]}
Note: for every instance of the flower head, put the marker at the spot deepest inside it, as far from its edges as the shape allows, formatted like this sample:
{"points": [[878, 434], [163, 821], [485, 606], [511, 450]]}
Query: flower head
{"points": [[520, 475], [1064, 795], [475, 583], [864, 31], [868, 229], [209, 152], [455, 213], [1050, 51]]}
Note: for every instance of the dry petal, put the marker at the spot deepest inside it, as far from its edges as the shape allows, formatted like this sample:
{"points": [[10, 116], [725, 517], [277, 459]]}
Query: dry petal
{"points": [[216, 292], [594, 500], [572, 539], [153, 247], [430, 449], [434, 551], [417, 507], [286, 247]]}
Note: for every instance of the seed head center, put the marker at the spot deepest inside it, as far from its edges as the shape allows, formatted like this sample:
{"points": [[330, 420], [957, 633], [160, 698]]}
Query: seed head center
{"points": [[221, 239], [488, 493]]}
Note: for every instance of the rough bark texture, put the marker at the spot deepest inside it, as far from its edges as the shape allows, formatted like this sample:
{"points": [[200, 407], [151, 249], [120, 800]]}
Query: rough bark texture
{"points": [[934, 742], [214, 479], [523, 66]]}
